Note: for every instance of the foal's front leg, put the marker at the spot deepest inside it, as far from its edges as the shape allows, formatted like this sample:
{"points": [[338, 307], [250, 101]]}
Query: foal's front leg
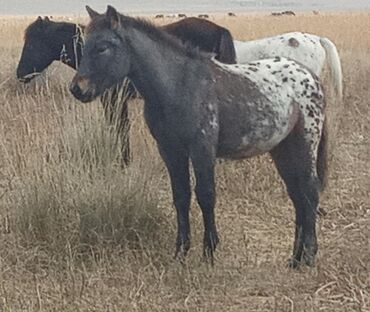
{"points": [[203, 160], [177, 163]]}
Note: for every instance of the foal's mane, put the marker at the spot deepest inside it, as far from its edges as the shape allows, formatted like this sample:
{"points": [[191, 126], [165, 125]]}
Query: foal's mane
{"points": [[101, 22]]}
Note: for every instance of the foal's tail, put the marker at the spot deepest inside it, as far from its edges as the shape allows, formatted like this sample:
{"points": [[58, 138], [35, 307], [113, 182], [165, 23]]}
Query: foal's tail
{"points": [[334, 65], [226, 48], [322, 157]]}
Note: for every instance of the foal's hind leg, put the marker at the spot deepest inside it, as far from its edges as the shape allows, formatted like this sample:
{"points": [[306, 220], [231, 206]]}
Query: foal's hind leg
{"points": [[294, 163]]}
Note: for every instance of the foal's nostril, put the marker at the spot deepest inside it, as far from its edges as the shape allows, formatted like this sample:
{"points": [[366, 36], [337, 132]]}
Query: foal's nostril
{"points": [[75, 90], [81, 89]]}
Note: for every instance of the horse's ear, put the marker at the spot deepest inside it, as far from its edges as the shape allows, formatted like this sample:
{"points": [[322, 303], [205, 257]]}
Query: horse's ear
{"points": [[113, 17], [46, 19], [39, 22], [92, 13]]}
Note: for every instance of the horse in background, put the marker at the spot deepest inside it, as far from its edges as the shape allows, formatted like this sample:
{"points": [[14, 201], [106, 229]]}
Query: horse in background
{"points": [[46, 41], [206, 35]]}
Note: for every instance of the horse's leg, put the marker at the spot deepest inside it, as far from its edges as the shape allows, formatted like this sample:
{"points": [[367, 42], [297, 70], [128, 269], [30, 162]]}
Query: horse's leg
{"points": [[203, 161], [116, 112], [294, 163], [123, 129], [107, 106], [177, 163]]}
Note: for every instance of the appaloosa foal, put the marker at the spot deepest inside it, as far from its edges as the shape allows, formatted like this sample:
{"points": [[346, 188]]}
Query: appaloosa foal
{"points": [[198, 109]]}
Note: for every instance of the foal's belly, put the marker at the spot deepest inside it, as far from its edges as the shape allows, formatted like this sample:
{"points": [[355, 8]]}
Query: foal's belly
{"points": [[250, 147], [258, 133]]}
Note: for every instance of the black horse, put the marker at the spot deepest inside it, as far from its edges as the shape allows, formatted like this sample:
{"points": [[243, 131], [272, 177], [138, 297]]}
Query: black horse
{"points": [[198, 109], [46, 41]]}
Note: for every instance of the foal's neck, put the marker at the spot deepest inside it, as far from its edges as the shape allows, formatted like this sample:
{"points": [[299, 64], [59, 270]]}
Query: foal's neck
{"points": [[158, 69]]}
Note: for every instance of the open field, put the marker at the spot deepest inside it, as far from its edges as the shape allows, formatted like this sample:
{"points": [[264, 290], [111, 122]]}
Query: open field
{"points": [[78, 233]]}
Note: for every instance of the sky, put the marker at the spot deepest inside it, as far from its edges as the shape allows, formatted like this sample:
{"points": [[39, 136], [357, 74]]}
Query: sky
{"points": [[49, 7]]}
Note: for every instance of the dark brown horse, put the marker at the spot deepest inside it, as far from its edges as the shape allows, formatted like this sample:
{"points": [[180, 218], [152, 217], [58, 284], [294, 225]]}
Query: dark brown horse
{"points": [[206, 35], [47, 41], [199, 109]]}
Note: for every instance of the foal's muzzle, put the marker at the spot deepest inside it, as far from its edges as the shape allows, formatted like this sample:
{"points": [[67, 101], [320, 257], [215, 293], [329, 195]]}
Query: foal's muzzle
{"points": [[81, 89]]}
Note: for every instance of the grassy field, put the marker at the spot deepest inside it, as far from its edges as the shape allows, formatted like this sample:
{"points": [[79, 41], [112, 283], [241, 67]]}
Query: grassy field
{"points": [[78, 233]]}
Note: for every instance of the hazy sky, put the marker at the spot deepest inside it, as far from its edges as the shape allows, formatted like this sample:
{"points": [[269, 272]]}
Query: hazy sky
{"points": [[35, 7]]}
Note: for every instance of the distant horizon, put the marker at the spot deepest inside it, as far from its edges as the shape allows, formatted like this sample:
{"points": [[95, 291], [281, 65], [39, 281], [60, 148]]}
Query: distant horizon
{"points": [[77, 7]]}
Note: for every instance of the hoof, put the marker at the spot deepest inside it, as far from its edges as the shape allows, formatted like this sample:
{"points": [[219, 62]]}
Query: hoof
{"points": [[309, 260], [294, 263], [210, 243], [208, 257], [182, 251], [306, 259], [180, 257]]}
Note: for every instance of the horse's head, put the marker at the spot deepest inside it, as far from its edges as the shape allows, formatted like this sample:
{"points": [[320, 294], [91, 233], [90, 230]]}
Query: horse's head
{"points": [[105, 61], [46, 41], [37, 53]]}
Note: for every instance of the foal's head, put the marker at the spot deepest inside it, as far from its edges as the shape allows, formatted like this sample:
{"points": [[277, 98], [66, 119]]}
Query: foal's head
{"points": [[106, 59]]}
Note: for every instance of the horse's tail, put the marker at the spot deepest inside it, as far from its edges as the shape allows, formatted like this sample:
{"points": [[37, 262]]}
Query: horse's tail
{"points": [[334, 65], [322, 157], [226, 48], [334, 108]]}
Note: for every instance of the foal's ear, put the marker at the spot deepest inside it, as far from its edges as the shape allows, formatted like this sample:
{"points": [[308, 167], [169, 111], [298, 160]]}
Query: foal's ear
{"points": [[113, 17], [91, 12]]}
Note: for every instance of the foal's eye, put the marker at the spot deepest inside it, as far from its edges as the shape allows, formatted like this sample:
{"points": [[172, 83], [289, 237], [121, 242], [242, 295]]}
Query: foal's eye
{"points": [[102, 49]]}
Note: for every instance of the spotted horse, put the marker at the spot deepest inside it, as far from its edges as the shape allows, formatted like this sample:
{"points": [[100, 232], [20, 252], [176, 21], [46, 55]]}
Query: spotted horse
{"points": [[198, 109]]}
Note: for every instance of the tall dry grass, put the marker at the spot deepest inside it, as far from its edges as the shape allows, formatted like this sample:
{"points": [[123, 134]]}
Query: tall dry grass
{"points": [[80, 233]]}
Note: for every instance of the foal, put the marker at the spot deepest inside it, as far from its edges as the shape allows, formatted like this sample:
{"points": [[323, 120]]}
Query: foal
{"points": [[198, 109]]}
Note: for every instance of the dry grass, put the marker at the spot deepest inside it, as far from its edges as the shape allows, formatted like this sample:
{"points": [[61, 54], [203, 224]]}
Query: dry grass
{"points": [[78, 233]]}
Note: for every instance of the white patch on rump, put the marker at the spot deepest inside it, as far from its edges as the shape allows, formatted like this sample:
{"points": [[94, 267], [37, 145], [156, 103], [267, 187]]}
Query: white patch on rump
{"points": [[308, 51]]}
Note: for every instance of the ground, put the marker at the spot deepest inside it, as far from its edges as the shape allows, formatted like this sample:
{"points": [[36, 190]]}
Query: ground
{"points": [[79, 233]]}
